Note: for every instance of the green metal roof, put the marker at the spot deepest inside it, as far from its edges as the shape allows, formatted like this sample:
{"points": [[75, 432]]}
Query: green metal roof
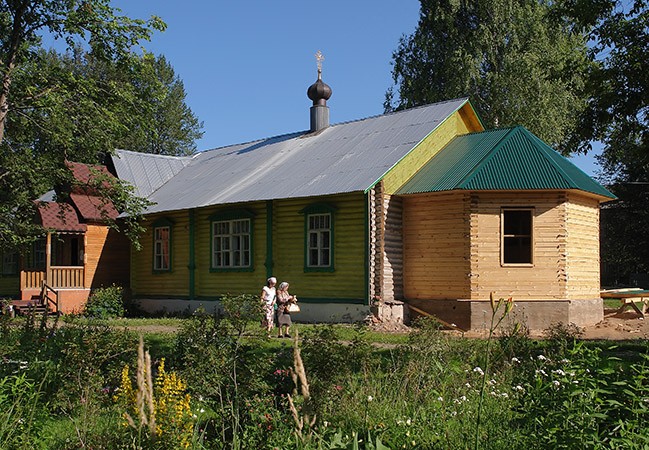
{"points": [[500, 159]]}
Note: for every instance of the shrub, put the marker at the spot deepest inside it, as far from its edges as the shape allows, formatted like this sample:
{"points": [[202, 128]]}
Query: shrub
{"points": [[105, 303]]}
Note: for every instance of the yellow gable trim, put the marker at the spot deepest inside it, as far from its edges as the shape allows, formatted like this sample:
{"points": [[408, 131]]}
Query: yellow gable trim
{"points": [[460, 122]]}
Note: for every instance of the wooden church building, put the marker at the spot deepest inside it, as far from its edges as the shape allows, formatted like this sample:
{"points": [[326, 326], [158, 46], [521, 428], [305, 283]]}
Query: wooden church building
{"points": [[421, 207]]}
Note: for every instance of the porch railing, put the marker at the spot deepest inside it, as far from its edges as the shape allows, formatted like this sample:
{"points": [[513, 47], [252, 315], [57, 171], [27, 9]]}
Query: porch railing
{"points": [[66, 277], [58, 277], [50, 298], [31, 279]]}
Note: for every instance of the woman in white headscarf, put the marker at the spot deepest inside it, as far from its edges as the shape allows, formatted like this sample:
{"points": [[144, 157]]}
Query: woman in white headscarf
{"points": [[283, 315], [268, 296]]}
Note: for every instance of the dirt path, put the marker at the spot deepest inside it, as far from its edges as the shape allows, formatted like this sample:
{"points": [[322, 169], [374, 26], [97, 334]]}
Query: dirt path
{"points": [[626, 326]]}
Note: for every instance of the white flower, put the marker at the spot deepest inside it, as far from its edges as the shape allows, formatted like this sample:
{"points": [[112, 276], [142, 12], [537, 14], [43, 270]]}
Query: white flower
{"points": [[202, 410], [564, 361], [541, 358], [467, 385], [556, 383], [558, 372], [519, 388], [408, 422], [492, 382], [370, 398], [516, 360], [440, 399], [504, 394], [478, 370]]}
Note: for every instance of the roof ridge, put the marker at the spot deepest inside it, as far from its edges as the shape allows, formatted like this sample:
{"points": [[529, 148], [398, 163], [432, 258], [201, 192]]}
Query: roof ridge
{"points": [[547, 155], [304, 132], [489, 155]]}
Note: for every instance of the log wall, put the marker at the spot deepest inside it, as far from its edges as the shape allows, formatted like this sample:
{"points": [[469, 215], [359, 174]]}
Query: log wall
{"points": [[582, 247], [546, 277], [436, 246]]}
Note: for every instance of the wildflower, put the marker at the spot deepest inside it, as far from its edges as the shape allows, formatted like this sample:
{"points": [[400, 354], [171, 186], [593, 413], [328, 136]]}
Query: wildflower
{"points": [[564, 361], [468, 385], [370, 398], [519, 388], [516, 360], [558, 372], [541, 358], [478, 370], [556, 383], [408, 422], [492, 382], [504, 395], [440, 399]]}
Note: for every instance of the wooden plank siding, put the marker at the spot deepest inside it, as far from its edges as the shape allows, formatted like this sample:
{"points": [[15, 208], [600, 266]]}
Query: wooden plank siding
{"points": [[546, 277], [436, 246], [347, 281], [212, 284], [106, 257], [582, 247], [167, 284], [9, 286], [461, 122]]}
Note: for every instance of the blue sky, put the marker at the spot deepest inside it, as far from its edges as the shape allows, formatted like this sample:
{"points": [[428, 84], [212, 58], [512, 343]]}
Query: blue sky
{"points": [[246, 64]]}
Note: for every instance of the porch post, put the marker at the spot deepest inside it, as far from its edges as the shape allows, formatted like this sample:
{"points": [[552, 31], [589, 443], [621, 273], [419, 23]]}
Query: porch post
{"points": [[48, 258]]}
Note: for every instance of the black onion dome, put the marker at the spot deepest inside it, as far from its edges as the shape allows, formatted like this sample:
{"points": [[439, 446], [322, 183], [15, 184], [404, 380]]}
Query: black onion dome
{"points": [[319, 92]]}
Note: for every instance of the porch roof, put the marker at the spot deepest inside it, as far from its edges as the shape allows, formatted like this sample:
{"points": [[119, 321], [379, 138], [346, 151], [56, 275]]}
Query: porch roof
{"points": [[94, 208], [59, 217]]}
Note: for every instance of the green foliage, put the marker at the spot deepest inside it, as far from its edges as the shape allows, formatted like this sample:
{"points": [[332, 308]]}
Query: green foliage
{"points": [[580, 399], [50, 113], [518, 63], [557, 393], [105, 303], [18, 411]]}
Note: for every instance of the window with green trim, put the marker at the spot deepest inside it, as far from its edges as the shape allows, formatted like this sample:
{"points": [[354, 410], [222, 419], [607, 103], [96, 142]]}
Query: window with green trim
{"points": [[162, 248], [231, 244], [319, 240]]}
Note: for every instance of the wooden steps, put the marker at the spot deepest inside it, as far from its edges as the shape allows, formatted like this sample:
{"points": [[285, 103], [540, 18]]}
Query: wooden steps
{"points": [[25, 307]]}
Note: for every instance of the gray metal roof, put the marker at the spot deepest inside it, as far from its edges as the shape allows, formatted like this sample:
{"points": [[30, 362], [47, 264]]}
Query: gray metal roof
{"points": [[347, 157], [145, 171]]}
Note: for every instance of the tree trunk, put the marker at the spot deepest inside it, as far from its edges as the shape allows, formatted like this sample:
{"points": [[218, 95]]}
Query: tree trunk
{"points": [[9, 64]]}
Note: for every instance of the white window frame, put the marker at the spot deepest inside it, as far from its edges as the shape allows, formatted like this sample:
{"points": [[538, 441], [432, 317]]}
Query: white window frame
{"points": [[319, 240], [162, 248], [231, 244]]}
